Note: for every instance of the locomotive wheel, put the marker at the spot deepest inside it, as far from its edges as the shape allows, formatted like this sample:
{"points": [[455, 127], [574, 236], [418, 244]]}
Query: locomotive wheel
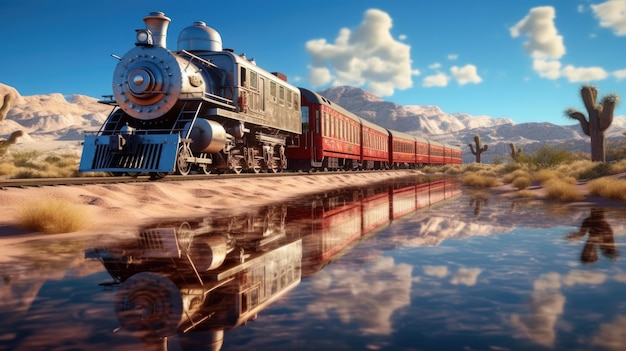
{"points": [[235, 164], [205, 169], [157, 175], [182, 166], [256, 166]]}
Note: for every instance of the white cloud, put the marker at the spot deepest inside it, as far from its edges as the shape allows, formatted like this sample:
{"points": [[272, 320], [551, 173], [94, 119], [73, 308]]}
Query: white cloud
{"points": [[544, 41], [583, 74], [435, 80], [453, 57], [466, 276], [369, 56], [436, 271], [435, 65], [546, 307], [466, 74], [402, 37], [577, 277], [612, 14], [547, 69], [611, 335], [580, 8]]}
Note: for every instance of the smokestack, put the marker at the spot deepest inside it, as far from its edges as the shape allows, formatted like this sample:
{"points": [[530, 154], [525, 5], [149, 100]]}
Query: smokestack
{"points": [[157, 23]]}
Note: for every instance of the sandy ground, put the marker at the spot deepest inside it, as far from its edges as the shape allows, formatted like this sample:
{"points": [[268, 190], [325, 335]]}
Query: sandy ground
{"points": [[120, 209]]}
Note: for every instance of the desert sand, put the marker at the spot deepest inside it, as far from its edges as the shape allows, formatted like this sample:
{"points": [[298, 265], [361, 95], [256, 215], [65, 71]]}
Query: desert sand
{"points": [[120, 209]]}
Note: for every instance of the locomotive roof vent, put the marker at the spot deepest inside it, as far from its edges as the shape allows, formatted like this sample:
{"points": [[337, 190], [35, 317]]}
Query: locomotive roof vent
{"points": [[156, 24], [199, 37]]}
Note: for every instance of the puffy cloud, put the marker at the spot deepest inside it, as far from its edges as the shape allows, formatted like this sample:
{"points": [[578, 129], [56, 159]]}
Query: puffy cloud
{"points": [[368, 56], [377, 291], [620, 74], [546, 307], [547, 69], [544, 42], [583, 74], [436, 271], [611, 335], [612, 14], [466, 74], [466, 276], [577, 277], [436, 80]]}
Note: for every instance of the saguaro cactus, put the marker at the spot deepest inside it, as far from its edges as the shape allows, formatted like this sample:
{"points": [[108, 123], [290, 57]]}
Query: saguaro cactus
{"points": [[515, 152], [4, 109], [479, 149], [600, 118]]}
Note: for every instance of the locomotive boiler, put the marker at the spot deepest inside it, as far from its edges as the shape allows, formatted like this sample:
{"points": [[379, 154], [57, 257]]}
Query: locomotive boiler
{"points": [[200, 108]]}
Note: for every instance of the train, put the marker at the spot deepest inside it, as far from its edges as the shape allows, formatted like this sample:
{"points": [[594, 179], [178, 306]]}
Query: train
{"points": [[205, 109]]}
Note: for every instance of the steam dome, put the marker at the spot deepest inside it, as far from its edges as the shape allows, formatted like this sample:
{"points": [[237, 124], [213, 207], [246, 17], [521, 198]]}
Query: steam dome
{"points": [[199, 37]]}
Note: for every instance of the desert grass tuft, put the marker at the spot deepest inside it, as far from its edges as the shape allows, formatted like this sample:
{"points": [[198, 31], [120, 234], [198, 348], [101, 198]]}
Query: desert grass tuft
{"points": [[480, 180], [559, 189], [52, 216], [544, 175], [609, 188], [521, 182], [510, 177], [527, 194]]}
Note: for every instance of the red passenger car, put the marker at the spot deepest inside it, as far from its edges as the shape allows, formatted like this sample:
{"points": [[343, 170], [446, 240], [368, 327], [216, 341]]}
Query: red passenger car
{"points": [[375, 146], [437, 153], [401, 150], [330, 139]]}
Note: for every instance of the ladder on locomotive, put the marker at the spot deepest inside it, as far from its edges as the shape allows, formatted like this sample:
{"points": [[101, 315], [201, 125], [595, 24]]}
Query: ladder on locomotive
{"points": [[111, 125], [188, 114]]}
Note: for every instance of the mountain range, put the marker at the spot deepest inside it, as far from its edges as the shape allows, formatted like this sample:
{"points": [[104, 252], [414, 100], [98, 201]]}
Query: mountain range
{"points": [[55, 122]]}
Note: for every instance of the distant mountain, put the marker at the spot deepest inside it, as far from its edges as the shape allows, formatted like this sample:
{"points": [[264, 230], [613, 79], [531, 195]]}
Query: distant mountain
{"points": [[46, 119], [431, 122]]}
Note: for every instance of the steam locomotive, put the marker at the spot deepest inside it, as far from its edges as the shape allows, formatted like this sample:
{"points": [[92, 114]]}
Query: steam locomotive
{"points": [[205, 109]]}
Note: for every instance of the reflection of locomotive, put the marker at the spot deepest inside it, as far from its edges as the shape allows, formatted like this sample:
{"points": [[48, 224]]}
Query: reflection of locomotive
{"points": [[190, 281], [205, 108]]}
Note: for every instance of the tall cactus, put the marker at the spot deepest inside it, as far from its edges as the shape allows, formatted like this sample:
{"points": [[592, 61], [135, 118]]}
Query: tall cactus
{"points": [[515, 152], [599, 120], [479, 149]]}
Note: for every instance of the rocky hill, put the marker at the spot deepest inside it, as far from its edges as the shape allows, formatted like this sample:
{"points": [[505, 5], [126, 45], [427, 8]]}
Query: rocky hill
{"points": [[54, 122]]}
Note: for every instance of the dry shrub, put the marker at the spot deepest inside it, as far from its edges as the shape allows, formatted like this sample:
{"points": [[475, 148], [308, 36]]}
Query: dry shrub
{"points": [[544, 175], [618, 167], [480, 181], [34, 164], [560, 189], [577, 168], [521, 182], [51, 216], [608, 188], [526, 194], [510, 178]]}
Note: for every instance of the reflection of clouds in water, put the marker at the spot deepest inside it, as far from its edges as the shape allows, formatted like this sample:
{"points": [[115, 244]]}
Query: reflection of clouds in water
{"points": [[376, 291], [620, 277], [436, 271], [584, 278], [612, 335], [466, 276], [546, 306]]}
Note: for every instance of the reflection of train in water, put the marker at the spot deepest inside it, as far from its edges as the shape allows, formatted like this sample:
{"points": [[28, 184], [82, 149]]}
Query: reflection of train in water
{"points": [[195, 279], [204, 108]]}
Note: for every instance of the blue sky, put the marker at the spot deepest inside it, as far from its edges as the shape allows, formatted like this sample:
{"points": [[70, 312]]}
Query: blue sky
{"points": [[524, 60]]}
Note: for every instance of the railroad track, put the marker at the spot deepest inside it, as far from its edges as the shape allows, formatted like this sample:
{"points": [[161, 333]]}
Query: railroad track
{"points": [[40, 182]]}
